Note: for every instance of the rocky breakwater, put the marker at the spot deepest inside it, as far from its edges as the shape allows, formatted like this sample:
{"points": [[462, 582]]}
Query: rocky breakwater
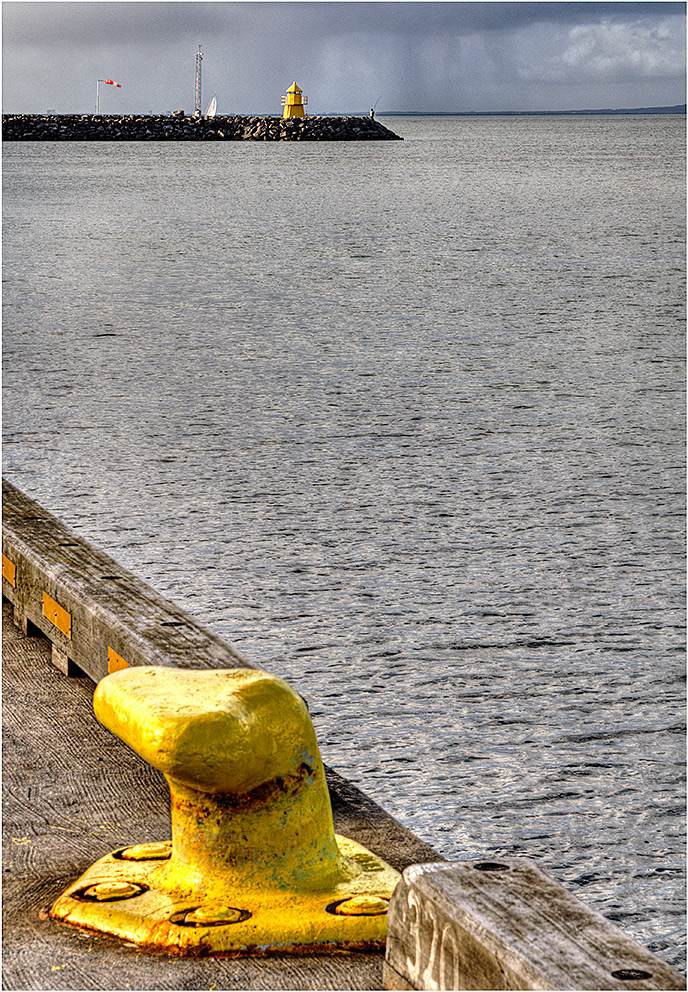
{"points": [[177, 127]]}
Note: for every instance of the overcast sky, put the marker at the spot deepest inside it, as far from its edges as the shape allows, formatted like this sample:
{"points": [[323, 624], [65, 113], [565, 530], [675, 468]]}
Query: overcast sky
{"points": [[345, 56]]}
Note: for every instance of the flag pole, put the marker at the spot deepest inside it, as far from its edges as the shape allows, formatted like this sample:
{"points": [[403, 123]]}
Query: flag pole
{"points": [[112, 83]]}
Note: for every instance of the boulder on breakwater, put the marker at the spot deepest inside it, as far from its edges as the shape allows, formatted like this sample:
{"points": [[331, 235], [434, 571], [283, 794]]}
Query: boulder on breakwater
{"points": [[92, 127]]}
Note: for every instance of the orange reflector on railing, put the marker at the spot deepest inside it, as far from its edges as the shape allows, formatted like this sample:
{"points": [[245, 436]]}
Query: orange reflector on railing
{"points": [[9, 571], [57, 615], [115, 662]]}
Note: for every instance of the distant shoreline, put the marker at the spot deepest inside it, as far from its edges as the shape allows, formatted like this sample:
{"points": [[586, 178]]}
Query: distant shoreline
{"points": [[679, 108]]}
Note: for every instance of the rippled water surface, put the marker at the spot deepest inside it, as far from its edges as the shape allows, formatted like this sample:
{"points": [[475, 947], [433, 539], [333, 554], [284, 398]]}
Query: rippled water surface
{"points": [[404, 422]]}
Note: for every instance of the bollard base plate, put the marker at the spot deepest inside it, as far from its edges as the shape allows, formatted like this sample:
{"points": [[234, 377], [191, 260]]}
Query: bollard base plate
{"points": [[124, 894]]}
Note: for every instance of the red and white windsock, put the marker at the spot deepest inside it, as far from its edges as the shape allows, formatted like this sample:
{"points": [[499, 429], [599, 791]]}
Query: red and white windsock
{"points": [[112, 82]]}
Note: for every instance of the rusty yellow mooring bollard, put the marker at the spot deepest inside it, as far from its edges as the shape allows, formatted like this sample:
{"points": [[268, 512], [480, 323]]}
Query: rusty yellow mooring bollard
{"points": [[254, 864]]}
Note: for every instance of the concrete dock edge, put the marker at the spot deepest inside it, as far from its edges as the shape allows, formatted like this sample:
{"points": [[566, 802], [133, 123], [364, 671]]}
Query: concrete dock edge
{"points": [[72, 793]]}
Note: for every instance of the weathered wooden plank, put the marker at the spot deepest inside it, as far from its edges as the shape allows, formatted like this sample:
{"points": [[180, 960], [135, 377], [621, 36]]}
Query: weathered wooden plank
{"points": [[93, 610], [507, 925]]}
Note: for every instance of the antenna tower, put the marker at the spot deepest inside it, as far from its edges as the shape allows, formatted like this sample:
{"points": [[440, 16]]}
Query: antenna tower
{"points": [[199, 59]]}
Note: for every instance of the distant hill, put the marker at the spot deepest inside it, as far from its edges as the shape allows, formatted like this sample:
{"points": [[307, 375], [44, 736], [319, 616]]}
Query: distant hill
{"points": [[679, 108]]}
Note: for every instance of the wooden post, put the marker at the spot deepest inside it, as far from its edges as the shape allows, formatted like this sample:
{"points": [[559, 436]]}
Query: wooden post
{"points": [[505, 924]]}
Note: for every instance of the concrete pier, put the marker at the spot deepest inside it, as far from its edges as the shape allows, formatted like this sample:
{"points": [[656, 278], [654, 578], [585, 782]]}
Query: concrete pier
{"points": [[73, 793]]}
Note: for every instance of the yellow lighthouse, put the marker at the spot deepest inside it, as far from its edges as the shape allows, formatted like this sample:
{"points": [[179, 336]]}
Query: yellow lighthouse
{"points": [[294, 102]]}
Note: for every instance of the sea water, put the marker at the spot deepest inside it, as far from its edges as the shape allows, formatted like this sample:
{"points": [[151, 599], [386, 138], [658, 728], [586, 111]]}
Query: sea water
{"points": [[403, 421]]}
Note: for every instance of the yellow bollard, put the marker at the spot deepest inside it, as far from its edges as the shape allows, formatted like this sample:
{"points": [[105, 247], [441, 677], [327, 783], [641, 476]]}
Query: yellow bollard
{"points": [[294, 102], [254, 864]]}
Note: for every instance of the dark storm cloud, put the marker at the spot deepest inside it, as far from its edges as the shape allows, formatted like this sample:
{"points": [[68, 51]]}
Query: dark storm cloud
{"points": [[417, 56], [53, 23]]}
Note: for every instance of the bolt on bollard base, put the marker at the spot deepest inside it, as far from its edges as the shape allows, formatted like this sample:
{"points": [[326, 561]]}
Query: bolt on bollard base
{"points": [[131, 900]]}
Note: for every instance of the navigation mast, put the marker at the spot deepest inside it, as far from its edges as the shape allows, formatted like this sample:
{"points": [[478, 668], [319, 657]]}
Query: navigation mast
{"points": [[199, 59]]}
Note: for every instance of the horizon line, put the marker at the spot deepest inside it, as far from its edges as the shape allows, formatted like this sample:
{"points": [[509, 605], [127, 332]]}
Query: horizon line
{"points": [[676, 108]]}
